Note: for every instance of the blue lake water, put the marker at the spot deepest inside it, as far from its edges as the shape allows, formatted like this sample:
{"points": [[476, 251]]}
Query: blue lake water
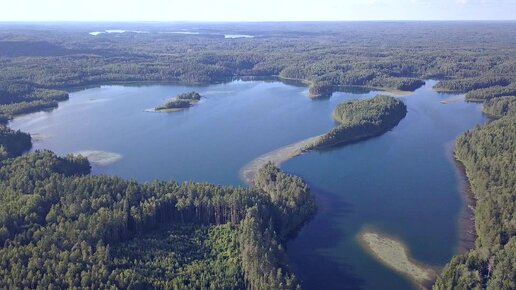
{"points": [[403, 183]]}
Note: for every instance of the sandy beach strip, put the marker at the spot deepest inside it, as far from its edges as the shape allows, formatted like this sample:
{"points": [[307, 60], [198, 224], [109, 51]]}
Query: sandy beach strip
{"points": [[394, 254], [278, 156]]}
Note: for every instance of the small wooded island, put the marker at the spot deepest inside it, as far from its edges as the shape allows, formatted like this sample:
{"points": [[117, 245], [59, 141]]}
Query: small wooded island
{"points": [[360, 119], [180, 102]]}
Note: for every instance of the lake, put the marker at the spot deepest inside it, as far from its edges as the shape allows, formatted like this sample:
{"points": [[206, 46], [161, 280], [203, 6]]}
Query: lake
{"points": [[403, 183]]}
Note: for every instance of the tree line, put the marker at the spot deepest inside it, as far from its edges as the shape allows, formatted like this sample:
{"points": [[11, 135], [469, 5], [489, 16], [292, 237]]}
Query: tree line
{"points": [[333, 57], [181, 101], [489, 156], [62, 228], [361, 119], [499, 107]]}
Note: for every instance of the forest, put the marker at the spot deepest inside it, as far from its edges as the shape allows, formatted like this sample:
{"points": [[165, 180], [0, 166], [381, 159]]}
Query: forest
{"points": [[40, 65], [63, 228], [499, 107], [489, 155], [361, 119], [13, 143], [181, 101]]}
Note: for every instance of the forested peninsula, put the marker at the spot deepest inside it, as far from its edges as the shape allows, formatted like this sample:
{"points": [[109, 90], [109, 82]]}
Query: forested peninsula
{"points": [[62, 228], [358, 119], [361, 119]]}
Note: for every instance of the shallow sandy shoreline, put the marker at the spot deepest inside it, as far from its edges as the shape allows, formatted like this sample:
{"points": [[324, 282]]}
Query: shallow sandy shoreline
{"points": [[102, 158], [278, 156], [395, 254], [467, 230], [449, 101], [283, 154], [466, 219], [36, 137], [164, 110]]}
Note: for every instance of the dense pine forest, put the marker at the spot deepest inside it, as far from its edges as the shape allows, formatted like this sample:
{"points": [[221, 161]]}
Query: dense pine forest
{"points": [[181, 101], [489, 155], [361, 119], [499, 107], [63, 228]]}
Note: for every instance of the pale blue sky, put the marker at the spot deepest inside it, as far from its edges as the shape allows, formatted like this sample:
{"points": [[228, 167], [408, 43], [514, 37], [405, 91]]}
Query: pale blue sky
{"points": [[255, 10]]}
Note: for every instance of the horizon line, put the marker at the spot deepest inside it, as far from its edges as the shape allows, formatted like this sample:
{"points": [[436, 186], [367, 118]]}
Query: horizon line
{"points": [[256, 21]]}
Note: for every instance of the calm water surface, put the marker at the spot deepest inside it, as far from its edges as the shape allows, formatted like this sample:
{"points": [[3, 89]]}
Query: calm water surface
{"points": [[232, 125], [402, 183]]}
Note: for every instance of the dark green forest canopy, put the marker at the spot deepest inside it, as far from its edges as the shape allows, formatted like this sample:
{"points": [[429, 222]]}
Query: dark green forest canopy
{"points": [[398, 55], [13, 143], [373, 110], [192, 96], [361, 119], [499, 107], [181, 101], [489, 155], [62, 228], [175, 104]]}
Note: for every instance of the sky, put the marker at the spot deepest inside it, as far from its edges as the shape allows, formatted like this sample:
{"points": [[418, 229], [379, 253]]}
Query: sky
{"points": [[255, 10]]}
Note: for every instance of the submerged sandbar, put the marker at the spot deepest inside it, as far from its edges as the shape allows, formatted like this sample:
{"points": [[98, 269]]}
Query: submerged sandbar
{"points": [[102, 158], [277, 157], [395, 255]]}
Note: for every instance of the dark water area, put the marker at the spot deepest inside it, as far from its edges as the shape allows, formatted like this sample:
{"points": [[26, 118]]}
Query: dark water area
{"points": [[402, 183]]}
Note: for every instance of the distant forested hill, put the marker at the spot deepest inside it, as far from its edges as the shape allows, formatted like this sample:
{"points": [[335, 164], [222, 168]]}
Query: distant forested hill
{"points": [[468, 56]]}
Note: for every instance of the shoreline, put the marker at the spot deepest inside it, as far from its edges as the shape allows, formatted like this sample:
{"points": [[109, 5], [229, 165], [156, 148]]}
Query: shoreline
{"points": [[467, 230], [287, 152], [164, 110], [99, 157], [466, 216], [395, 255], [391, 91], [97, 84], [277, 157]]}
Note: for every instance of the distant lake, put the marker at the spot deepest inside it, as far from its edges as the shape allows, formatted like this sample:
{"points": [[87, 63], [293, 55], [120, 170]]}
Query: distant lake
{"points": [[183, 32], [403, 183], [237, 36]]}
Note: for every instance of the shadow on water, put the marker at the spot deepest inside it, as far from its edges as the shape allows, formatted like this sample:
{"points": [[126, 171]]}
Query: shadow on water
{"points": [[317, 235], [355, 90]]}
